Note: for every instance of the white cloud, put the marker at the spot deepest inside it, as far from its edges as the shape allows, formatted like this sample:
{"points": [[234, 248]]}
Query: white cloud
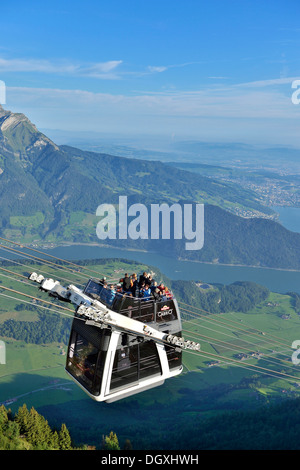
{"points": [[163, 68], [224, 102], [32, 65], [101, 69], [97, 70], [159, 68], [233, 112], [269, 82]]}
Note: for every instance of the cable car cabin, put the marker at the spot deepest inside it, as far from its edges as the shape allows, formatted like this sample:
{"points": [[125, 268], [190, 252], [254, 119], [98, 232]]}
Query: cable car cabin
{"points": [[110, 364]]}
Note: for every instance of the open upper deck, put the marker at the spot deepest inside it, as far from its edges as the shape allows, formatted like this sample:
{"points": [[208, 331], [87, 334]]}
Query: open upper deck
{"points": [[142, 309]]}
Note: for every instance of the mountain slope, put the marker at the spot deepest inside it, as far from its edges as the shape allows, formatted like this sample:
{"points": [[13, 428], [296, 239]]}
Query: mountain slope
{"points": [[51, 193], [65, 167], [157, 180], [20, 193]]}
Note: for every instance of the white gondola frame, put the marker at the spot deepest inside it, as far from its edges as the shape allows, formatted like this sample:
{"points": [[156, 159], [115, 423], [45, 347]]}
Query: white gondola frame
{"points": [[107, 395]]}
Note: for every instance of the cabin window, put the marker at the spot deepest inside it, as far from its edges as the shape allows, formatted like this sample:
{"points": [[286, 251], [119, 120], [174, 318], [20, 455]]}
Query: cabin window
{"points": [[149, 360], [85, 362], [125, 367], [109, 297], [93, 289], [174, 357], [134, 363]]}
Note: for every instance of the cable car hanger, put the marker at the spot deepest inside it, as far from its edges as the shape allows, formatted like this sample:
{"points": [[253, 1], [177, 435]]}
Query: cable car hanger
{"points": [[97, 312]]}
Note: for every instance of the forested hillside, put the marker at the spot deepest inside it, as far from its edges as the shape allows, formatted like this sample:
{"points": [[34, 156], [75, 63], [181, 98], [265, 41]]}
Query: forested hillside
{"points": [[48, 329], [265, 428], [237, 297], [28, 430]]}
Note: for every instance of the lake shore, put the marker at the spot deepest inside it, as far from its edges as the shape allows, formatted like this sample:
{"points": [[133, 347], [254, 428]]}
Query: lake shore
{"points": [[131, 250]]}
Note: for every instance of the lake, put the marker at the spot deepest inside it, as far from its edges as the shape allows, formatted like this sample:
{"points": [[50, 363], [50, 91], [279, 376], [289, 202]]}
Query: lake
{"points": [[289, 217], [276, 280]]}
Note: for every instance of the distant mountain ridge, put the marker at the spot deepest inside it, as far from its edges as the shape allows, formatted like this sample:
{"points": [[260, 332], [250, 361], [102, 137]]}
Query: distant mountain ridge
{"points": [[50, 193]]}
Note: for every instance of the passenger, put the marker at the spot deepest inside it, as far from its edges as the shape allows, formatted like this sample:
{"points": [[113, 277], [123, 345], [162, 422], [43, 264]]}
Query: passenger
{"points": [[111, 293], [168, 293], [119, 288], [156, 294], [102, 281], [146, 292], [135, 285], [153, 286], [141, 289], [163, 295], [126, 283], [104, 292], [143, 278], [119, 291]]}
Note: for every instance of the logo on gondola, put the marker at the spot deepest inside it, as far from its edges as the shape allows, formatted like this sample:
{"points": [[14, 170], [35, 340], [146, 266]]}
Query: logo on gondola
{"points": [[165, 311]]}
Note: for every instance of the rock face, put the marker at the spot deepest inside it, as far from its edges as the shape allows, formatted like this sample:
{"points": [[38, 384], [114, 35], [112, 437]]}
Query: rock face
{"points": [[9, 120], [19, 136]]}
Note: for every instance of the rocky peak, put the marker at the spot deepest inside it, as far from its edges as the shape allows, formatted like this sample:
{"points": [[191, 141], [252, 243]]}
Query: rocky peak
{"points": [[19, 134]]}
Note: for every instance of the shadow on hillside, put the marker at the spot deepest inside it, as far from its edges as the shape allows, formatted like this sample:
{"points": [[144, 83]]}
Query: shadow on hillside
{"points": [[60, 400]]}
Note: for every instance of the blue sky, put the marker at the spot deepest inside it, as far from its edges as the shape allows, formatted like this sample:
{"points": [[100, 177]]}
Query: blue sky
{"points": [[208, 70]]}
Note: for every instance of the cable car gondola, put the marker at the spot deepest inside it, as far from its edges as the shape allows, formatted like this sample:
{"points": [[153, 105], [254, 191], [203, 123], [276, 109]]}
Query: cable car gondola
{"points": [[119, 345]]}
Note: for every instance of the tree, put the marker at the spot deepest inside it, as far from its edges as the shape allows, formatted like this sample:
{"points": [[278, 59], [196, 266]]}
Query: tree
{"points": [[34, 431], [12, 430], [30, 430], [22, 418], [3, 417], [111, 442], [64, 438], [55, 441], [127, 445]]}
